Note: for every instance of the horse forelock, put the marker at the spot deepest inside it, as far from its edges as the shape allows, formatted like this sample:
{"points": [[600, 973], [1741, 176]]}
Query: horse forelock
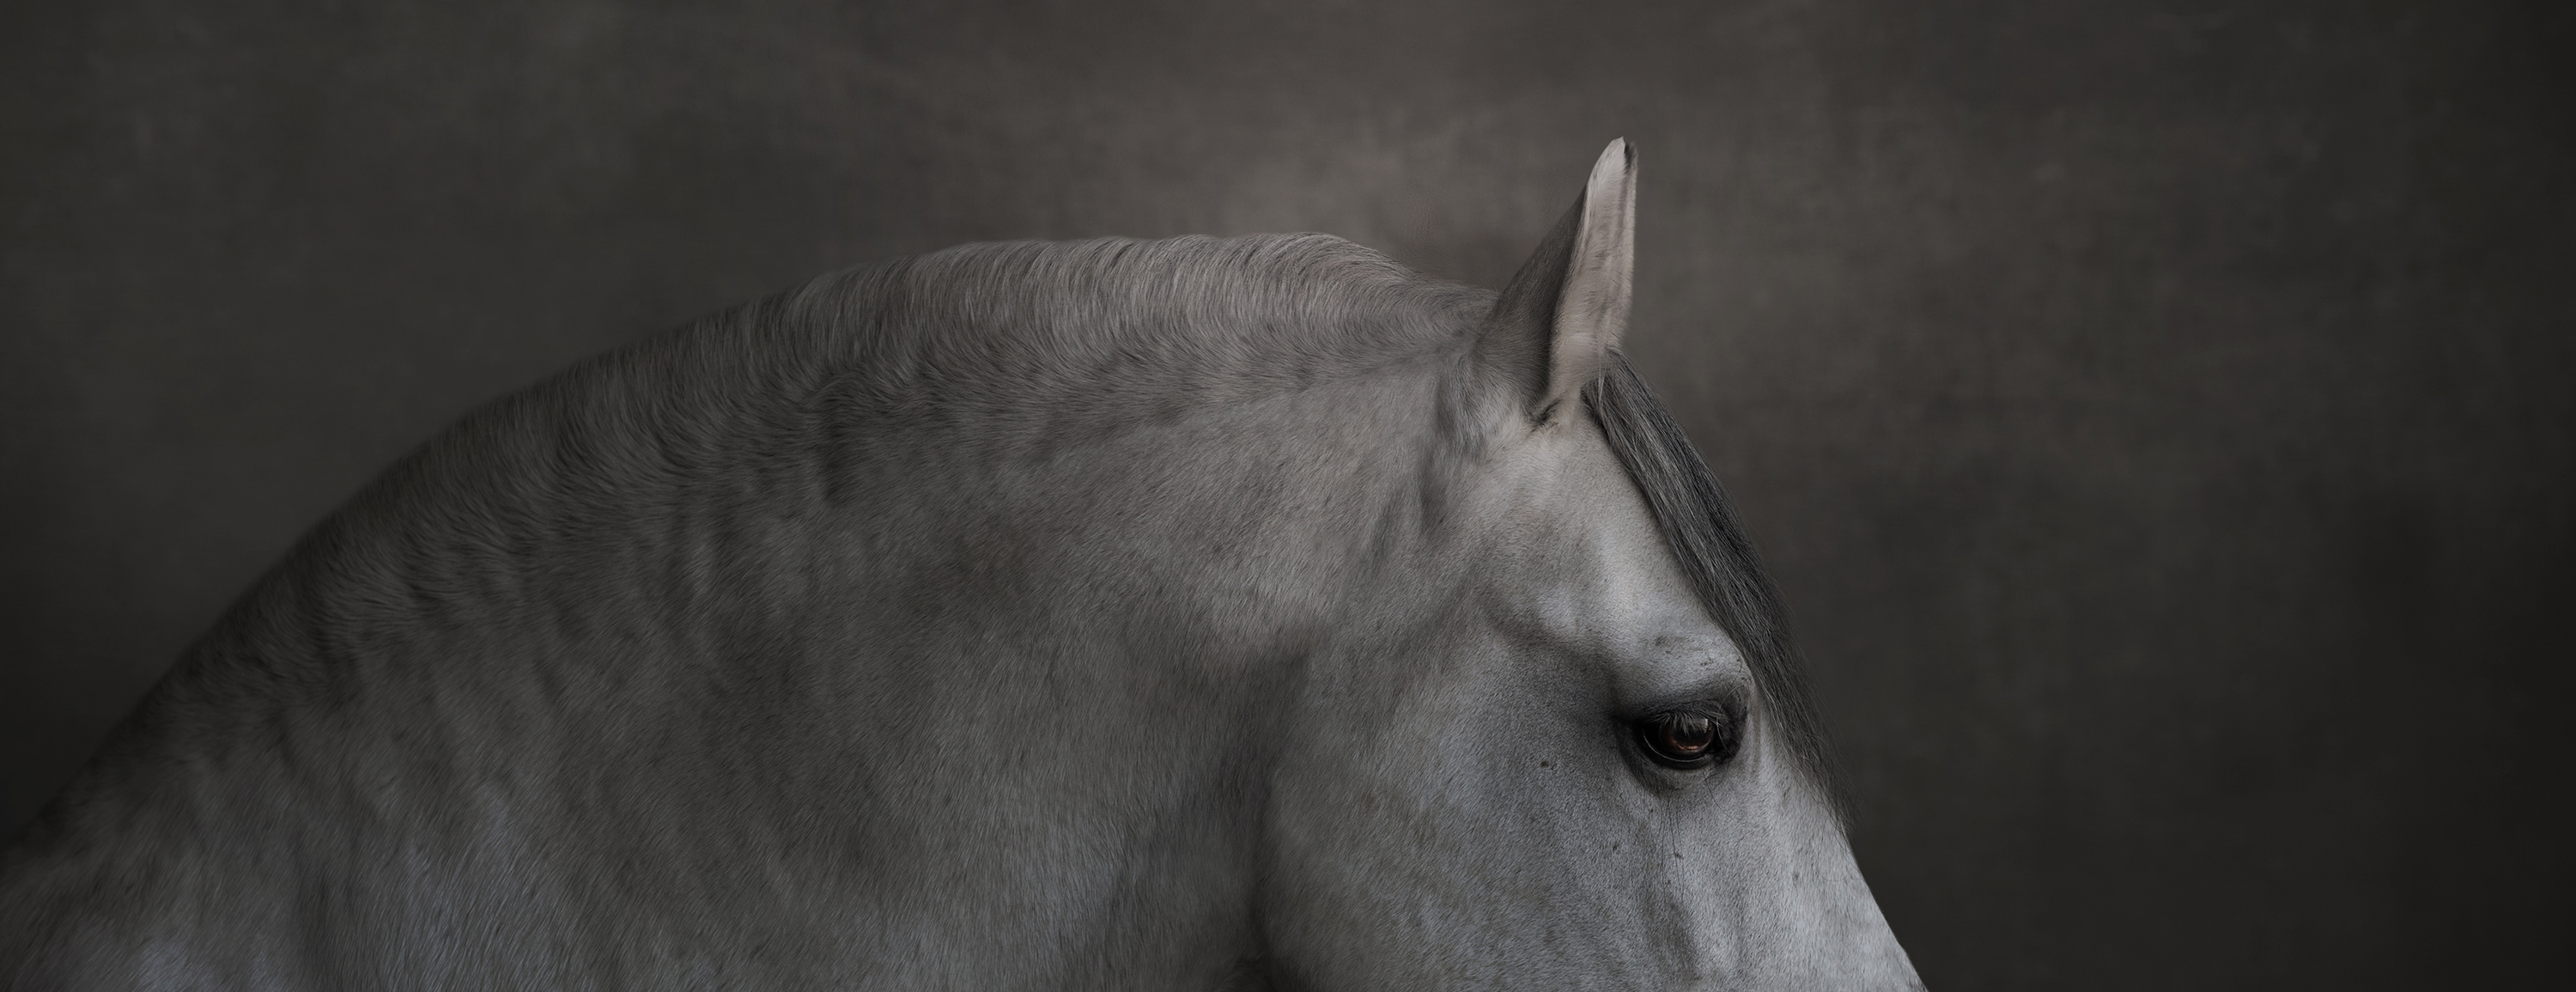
{"points": [[1699, 526]]}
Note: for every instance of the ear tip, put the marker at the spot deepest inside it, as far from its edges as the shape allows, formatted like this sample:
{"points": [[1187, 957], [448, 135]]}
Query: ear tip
{"points": [[1619, 157]]}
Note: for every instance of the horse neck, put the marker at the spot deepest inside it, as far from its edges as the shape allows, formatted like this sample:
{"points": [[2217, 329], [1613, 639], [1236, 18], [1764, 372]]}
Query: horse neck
{"points": [[786, 635]]}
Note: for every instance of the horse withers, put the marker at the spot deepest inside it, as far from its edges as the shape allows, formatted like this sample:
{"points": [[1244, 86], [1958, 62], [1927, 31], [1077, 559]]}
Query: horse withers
{"points": [[1187, 614]]}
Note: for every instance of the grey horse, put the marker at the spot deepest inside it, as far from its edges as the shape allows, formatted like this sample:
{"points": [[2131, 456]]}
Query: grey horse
{"points": [[1187, 614]]}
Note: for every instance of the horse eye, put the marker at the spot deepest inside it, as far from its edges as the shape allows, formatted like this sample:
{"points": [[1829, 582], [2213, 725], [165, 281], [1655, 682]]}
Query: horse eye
{"points": [[1685, 739]]}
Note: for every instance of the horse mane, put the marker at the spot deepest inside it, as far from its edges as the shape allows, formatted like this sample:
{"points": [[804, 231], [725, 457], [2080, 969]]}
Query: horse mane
{"points": [[1101, 332], [998, 351]]}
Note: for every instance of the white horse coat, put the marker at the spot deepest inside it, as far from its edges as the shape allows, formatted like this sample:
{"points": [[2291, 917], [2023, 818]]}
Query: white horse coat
{"points": [[1106, 615]]}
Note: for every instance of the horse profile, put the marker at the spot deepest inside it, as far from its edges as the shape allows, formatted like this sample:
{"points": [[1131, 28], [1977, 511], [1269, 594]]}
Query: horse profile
{"points": [[1186, 614]]}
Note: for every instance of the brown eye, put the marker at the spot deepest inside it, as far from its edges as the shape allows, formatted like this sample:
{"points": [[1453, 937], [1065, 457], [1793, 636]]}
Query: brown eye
{"points": [[1684, 739]]}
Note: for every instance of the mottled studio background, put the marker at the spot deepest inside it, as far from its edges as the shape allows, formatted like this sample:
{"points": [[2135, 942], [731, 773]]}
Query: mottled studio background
{"points": [[2158, 413]]}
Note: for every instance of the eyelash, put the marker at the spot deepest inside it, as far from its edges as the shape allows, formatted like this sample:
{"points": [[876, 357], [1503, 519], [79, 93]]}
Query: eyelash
{"points": [[1690, 738]]}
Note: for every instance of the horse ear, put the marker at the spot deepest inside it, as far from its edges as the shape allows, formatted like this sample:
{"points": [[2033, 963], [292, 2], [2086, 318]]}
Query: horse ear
{"points": [[1552, 332]]}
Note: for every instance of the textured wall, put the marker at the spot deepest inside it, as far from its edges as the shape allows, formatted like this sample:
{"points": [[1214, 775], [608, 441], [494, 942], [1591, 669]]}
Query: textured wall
{"points": [[2158, 414]]}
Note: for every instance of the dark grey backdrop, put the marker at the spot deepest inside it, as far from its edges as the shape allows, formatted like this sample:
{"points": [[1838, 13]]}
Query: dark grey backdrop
{"points": [[2158, 414]]}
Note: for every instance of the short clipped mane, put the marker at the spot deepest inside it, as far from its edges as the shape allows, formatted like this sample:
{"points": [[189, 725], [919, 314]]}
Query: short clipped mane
{"points": [[1084, 328], [998, 350]]}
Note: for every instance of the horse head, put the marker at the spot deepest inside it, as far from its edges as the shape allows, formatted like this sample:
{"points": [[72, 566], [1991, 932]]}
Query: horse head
{"points": [[1575, 751]]}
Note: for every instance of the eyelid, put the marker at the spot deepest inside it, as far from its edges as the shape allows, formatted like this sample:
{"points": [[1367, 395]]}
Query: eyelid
{"points": [[1728, 702]]}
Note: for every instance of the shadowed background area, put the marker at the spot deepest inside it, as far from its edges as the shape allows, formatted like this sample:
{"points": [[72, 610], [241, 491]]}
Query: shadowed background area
{"points": [[2158, 415]]}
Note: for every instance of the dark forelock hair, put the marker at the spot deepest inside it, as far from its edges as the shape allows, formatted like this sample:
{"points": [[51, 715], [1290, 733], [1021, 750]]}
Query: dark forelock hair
{"points": [[1697, 524]]}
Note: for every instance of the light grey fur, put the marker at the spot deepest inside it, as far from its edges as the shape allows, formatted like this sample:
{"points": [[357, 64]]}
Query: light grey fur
{"points": [[1110, 614]]}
